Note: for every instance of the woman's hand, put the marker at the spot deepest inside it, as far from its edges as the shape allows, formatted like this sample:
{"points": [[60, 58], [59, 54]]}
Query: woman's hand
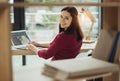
{"points": [[32, 47], [40, 45], [87, 37]]}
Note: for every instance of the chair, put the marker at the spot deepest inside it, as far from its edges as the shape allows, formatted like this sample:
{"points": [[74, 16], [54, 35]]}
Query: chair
{"points": [[114, 58], [107, 49]]}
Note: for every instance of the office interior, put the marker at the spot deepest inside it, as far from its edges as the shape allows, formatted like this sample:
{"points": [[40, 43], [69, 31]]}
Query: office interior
{"points": [[41, 22]]}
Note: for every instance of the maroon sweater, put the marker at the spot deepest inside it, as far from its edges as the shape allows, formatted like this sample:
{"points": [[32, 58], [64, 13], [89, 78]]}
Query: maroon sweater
{"points": [[64, 46]]}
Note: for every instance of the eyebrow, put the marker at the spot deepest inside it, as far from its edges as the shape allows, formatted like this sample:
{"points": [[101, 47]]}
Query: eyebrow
{"points": [[66, 15]]}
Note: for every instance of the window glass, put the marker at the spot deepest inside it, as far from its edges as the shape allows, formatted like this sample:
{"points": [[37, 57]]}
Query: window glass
{"points": [[11, 12], [42, 22]]}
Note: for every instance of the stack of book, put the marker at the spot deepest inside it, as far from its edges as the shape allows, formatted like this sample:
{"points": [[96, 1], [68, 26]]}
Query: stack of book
{"points": [[75, 68]]}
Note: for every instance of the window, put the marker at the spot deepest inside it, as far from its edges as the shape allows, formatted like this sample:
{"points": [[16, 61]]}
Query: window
{"points": [[42, 22]]}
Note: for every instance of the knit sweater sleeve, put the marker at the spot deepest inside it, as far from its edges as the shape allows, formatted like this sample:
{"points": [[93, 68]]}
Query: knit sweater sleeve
{"points": [[57, 45]]}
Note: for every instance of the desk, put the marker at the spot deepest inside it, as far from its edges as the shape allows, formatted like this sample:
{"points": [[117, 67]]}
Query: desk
{"points": [[85, 47], [23, 52]]}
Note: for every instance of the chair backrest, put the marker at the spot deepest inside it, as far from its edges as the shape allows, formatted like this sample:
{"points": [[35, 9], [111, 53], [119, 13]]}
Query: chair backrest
{"points": [[114, 50], [104, 44], [116, 57]]}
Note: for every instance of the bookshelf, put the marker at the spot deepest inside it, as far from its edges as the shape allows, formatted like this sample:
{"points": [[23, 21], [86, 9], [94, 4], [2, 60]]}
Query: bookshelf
{"points": [[111, 19], [5, 57]]}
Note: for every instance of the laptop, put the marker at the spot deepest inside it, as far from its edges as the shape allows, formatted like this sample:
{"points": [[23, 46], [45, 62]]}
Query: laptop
{"points": [[20, 39]]}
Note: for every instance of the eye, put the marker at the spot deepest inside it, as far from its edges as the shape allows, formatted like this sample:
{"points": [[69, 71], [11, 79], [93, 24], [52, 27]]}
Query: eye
{"points": [[61, 16], [66, 18]]}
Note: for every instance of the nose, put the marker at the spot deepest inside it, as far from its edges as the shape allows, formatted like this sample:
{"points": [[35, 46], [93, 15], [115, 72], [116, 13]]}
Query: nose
{"points": [[62, 19]]}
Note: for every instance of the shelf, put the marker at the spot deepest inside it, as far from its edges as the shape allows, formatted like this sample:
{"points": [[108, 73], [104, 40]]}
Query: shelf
{"points": [[109, 14], [113, 4], [4, 5], [20, 4]]}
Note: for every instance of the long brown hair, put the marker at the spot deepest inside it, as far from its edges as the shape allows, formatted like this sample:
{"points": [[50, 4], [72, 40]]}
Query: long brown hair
{"points": [[75, 26]]}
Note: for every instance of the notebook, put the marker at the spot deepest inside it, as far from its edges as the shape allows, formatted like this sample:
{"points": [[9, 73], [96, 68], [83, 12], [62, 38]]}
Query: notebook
{"points": [[20, 39]]}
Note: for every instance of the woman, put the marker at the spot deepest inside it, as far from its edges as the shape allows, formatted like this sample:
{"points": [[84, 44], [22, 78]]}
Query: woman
{"points": [[67, 43]]}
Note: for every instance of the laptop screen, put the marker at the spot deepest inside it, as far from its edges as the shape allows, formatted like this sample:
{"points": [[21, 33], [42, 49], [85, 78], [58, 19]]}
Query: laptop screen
{"points": [[20, 38]]}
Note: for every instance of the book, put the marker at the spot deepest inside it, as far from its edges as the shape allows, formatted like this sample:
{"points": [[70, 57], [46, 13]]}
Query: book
{"points": [[79, 67]]}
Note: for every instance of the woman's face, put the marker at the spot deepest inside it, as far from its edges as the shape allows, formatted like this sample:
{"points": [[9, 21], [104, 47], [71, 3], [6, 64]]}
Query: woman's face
{"points": [[65, 19]]}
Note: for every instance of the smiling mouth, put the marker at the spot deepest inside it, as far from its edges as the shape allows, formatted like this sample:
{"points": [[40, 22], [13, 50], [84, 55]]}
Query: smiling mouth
{"points": [[63, 24]]}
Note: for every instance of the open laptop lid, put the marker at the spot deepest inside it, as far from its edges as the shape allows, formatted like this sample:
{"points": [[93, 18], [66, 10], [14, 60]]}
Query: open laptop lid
{"points": [[19, 38]]}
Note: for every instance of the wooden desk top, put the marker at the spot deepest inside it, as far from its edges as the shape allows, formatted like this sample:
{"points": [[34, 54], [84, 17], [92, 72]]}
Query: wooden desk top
{"points": [[22, 52]]}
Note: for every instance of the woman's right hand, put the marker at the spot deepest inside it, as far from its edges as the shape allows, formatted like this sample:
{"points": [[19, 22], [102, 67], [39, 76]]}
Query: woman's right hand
{"points": [[32, 47]]}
